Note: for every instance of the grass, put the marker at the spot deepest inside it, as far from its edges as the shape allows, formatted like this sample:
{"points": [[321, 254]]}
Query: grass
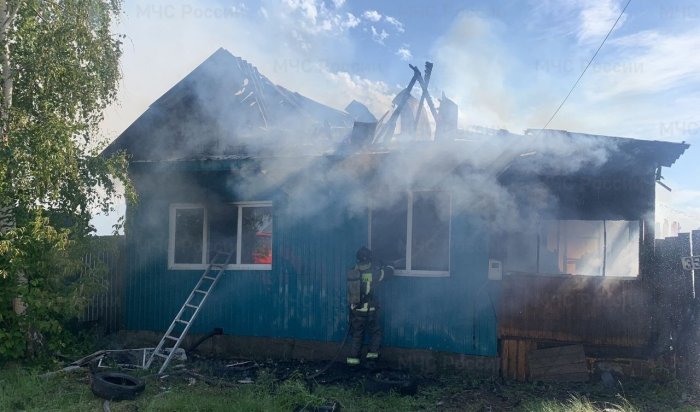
{"points": [[21, 389], [581, 404], [26, 391]]}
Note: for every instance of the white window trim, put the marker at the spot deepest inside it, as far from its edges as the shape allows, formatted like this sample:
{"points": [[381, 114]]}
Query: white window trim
{"points": [[409, 238], [604, 275], [205, 249], [239, 235]]}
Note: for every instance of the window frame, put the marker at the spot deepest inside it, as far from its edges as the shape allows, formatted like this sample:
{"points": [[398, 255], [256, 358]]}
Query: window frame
{"points": [[205, 249], [174, 207], [604, 269], [409, 239]]}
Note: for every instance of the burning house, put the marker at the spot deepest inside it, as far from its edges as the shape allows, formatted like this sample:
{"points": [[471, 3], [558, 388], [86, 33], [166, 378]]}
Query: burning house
{"points": [[502, 243]]}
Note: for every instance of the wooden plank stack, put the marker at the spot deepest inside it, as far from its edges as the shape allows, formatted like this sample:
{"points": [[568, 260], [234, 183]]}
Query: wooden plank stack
{"points": [[560, 364]]}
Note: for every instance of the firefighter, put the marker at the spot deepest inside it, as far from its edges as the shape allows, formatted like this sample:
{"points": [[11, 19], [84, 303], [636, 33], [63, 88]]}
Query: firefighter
{"points": [[364, 308]]}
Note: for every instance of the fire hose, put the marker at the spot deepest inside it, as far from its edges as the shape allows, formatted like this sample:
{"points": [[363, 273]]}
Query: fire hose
{"points": [[332, 361], [390, 270]]}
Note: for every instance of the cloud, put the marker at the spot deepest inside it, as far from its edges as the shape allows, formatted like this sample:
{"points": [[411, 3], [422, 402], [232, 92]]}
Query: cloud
{"points": [[372, 15], [351, 21], [596, 18], [649, 62], [345, 87], [586, 20], [314, 17], [379, 37], [404, 53], [396, 23], [307, 8]]}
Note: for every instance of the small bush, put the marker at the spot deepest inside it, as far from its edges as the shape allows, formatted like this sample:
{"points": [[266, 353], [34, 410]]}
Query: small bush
{"points": [[44, 267]]}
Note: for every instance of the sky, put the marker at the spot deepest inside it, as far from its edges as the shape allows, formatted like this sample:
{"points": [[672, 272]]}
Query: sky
{"points": [[507, 64]]}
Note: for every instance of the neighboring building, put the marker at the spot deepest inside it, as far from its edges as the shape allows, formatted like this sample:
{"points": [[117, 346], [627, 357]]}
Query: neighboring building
{"points": [[227, 160]]}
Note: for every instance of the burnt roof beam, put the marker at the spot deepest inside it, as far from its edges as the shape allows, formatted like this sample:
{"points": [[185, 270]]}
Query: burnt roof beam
{"points": [[390, 125], [424, 86], [428, 71]]}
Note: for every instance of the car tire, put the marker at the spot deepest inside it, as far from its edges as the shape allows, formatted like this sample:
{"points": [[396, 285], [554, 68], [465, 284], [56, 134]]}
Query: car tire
{"points": [[116, 386]]}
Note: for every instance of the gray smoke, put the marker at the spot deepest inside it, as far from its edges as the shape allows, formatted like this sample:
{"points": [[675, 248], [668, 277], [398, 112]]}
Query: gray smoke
{"points": [[381, 175], [285, 142]]}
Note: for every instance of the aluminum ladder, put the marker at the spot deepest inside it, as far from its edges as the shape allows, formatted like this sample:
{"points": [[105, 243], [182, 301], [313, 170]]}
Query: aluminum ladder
{"points": [[189, 311]]}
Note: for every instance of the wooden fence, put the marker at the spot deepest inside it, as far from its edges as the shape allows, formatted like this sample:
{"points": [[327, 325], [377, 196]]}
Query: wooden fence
{"points": [[105, 307], [677, 294]]}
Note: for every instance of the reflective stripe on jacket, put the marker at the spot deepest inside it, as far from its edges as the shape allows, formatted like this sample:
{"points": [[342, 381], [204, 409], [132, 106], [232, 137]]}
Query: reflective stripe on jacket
{"points": [[367, 277]]}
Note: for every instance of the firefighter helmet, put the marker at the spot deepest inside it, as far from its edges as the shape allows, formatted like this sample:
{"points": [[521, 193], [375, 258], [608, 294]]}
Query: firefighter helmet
{"points": [[364, 255]]}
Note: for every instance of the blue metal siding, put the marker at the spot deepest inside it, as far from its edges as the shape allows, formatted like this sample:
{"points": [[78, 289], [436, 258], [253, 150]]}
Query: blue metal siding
{"points": [[304, 295], [452, 313]]}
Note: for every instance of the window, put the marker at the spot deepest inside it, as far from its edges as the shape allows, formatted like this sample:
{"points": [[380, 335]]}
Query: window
{"points": [[413, 235], [580, 247], [189, 235], [197, 233]]}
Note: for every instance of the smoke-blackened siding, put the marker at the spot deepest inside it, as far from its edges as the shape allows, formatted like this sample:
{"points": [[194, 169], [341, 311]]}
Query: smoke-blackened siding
{"points": [[304, 295], [592, 309]]}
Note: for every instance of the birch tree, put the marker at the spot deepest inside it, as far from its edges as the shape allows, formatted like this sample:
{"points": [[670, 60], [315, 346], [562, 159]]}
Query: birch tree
{"points": [[8, 13], [60, 70]]}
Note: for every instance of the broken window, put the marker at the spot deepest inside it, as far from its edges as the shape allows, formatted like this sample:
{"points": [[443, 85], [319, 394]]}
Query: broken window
{"points": [[413, 235], [244, 229], [579, 247]]}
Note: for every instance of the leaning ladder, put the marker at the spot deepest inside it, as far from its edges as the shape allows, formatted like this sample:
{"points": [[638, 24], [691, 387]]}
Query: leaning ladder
{"points": [[189, 311]]}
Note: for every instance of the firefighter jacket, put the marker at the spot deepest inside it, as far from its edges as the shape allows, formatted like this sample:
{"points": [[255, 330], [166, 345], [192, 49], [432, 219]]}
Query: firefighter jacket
{"points": [[362, 282]]}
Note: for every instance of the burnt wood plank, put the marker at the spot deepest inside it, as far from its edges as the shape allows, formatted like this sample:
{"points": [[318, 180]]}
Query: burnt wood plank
{"points": [[558, 354], [506, 371], [539, 370], [564, 363], [514, 357], [522, 361], [572, 377]]}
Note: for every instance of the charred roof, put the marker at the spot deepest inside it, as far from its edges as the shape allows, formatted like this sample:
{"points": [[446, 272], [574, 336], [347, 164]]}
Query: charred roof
{"points": [[216, 108], [226, 110]]}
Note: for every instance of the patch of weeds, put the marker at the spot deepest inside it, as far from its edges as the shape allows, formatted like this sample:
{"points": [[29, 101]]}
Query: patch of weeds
{"points": [[24, 389], [293, 394], [579, 403], [355, 398], [21, 389]]}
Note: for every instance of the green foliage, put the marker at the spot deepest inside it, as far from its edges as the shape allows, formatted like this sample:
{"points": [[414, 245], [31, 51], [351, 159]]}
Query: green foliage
{"points": [[577, 403], [24, 390], [64, 65], [45, 268]]}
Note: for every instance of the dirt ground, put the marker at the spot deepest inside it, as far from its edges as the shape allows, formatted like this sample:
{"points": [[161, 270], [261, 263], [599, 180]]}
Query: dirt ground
{"points": [[455, 392]]}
